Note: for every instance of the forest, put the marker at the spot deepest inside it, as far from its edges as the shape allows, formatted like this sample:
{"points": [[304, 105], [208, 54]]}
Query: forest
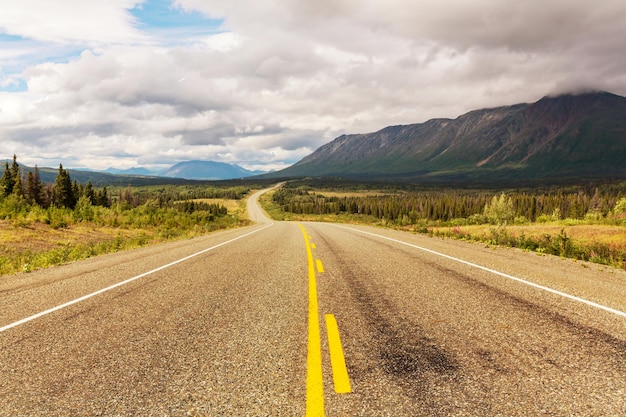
{"points": [[537, 219], [446, 205]]}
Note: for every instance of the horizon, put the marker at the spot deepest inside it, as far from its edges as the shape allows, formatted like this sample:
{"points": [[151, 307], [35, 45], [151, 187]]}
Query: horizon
{"points": [[111, 169], [151, 83]]}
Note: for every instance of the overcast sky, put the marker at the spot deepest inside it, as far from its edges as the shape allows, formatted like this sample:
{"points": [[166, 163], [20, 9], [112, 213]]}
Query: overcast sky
{"points": [[263, 83]]}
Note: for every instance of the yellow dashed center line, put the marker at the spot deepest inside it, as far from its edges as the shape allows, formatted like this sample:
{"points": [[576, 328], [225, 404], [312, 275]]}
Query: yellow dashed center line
{"points": [[314, 379], [337, 359], [314, 376]]}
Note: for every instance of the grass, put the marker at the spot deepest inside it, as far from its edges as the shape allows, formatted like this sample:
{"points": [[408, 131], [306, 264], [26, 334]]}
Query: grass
{"points": [[602, 244], [42, 239], [37, 245], [583, 233]]}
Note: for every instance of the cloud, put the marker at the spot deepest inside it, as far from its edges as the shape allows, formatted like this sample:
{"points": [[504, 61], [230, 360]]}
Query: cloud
{"points": [[266, 83], [72, 21]]}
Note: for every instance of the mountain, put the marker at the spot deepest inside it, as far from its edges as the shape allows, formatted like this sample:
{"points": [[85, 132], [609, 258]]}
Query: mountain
{"points": [[577, 136], [130, 171], [207, 170]]}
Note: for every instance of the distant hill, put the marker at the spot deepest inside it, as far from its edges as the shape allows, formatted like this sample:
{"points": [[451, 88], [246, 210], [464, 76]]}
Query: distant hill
{"points": [[182, 173], [131, 171], [565, 136], [207, 170], [102, 179]]}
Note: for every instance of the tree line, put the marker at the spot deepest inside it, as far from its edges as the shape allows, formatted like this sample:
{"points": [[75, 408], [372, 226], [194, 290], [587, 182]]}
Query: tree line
{"points": [[446, 205], [62, 193], [25, 189], [167, 196]]}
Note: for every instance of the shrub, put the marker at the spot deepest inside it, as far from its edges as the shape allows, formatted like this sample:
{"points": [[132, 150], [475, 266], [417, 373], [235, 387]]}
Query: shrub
{"points": [[520, 220], [13, 206], [58, 218], [84, 210], [620, 207], [500, 210]]}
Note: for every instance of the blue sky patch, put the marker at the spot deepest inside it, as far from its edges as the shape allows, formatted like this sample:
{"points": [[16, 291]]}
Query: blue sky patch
{"points": [[5, 37], [15, 85], [162, 19]]}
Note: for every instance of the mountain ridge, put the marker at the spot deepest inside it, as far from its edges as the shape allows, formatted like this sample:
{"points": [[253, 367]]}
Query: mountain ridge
{"points": [[571, 134]]}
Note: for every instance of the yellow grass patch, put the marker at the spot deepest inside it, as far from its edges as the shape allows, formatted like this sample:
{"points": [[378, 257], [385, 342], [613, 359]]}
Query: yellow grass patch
{"points": [[38, 237], [231, 205], [584, 233]]}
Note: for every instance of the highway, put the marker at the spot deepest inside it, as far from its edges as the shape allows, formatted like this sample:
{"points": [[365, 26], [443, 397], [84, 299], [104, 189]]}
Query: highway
{"points": [[314, 319]]}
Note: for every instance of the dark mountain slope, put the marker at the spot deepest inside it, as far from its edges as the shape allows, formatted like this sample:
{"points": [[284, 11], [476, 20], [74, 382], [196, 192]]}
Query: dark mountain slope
{"points": [[571, 135]]}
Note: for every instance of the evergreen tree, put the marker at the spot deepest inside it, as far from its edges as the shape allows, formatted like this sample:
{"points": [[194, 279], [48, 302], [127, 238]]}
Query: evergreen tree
{"points": [[48, 195], [34, 188], [63, 192], [7, 181], [102, 198], [18, 188], [30, 186], [89, 193], [76, 190], [15, 170], [11, 180], [39, 194]]}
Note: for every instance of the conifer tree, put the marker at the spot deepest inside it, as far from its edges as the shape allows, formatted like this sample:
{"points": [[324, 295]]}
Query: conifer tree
{"points": [[15, 170], [30, 186], [63, 192], [38, 191], [11, 180], [89, 193], [18, 188], [76, 190], [102, 198], [34, 188], [6, 181]]}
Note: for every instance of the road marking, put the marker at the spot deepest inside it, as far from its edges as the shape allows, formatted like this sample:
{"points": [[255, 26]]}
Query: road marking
{"points": [[314, 380], [337, 359], [320, 267], [493, 271], [119, 284], [313, 245]]}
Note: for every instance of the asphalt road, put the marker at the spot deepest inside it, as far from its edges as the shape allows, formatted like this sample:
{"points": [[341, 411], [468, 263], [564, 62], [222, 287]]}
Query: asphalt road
{"points": [[237, 323]]}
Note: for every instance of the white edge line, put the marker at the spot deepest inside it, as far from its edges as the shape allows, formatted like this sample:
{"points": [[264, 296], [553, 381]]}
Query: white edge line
{"points": [[502, 274], [119, 284]]}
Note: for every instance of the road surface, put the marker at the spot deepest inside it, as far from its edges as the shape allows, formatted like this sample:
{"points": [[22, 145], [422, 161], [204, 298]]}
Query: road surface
{"points": [[312, 319]]}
